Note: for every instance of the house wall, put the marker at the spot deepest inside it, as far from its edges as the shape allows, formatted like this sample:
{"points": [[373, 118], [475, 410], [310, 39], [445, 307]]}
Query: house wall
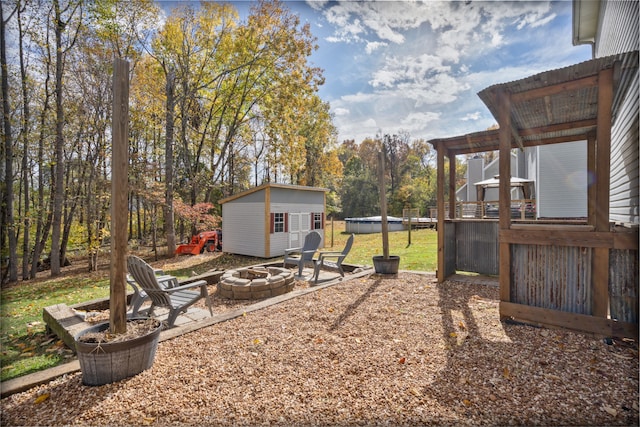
{"points": [[617, 28], [243, 225], [617, 33], [561, 184]]}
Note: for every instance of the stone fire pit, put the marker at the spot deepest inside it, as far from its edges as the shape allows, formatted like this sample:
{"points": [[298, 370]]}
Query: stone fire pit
{"points": [[255, 282]]}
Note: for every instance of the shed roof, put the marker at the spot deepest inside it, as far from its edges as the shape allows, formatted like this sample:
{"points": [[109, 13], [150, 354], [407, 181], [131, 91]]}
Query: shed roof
{"points": [[550, 107], [271, 185]]}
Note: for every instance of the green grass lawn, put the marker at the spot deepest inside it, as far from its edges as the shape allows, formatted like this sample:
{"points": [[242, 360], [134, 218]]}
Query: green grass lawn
{"points": [[26, 347]]}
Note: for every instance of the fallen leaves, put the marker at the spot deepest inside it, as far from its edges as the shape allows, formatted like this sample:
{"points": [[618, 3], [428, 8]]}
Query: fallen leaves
{"points": [[290, 365], [41, 398]]}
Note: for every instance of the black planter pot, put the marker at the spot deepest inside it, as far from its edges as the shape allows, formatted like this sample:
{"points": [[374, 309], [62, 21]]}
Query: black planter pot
{"points": [[104, 363], [386, 266]]}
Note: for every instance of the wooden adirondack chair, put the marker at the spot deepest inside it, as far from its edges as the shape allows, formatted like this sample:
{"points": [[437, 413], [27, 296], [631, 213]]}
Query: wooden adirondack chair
{"points": [[304, 255], [337, 264], [165, 291]]}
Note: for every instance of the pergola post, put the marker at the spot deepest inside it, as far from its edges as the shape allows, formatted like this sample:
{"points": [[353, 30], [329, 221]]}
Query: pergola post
{"points": [[440, 273], [602, 182], [504, 191]]}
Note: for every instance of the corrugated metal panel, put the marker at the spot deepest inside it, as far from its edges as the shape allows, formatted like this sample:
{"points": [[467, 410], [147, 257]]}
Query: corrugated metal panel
{"points": [[477, 246], [450, 248], [623, 285], [618, 29], [553, 277]]}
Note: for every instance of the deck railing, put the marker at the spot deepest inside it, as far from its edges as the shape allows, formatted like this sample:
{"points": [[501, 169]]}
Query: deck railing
{"points": [[520, 209]]}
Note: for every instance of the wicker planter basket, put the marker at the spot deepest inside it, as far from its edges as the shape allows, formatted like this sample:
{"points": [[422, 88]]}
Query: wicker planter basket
{"points": [[105, 363]]}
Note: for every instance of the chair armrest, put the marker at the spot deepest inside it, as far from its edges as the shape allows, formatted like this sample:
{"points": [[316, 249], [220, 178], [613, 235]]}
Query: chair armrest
{"points": [[167, 281], [196, 284], [292, 250], [328, 254]]}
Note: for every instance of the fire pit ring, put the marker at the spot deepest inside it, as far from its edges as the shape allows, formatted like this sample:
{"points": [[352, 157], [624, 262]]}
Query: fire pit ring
{"points": [[255, 282]]}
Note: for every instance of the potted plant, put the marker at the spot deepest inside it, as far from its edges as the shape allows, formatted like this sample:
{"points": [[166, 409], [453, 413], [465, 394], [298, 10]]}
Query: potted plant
{"points": [[385, 263], [118, 349]]}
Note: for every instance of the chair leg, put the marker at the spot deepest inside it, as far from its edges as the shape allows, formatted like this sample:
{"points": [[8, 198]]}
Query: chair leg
{"points": [[136, 303], [300, 266], [173, 314], [316, 271]]}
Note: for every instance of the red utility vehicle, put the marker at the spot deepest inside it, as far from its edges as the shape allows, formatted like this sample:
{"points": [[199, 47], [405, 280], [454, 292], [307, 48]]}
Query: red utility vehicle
{"points": [[209, 240]]}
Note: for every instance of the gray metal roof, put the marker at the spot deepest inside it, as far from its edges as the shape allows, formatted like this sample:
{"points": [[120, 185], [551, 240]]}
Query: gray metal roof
{"points": [[550, 107]]}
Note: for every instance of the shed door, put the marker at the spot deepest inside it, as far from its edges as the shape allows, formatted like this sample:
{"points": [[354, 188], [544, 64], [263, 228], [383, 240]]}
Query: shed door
{"points": [[299, 225]]}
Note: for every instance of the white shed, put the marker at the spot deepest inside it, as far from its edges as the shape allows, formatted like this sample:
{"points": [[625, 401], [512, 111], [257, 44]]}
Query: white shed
{"points": [[266, 220]]}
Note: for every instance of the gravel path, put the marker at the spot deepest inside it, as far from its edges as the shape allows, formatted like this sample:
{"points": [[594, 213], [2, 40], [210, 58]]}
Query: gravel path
{"points": [[368, 351]]}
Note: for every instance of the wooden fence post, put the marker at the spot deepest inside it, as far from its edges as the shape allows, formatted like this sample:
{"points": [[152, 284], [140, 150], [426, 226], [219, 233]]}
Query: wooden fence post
{"points": [[119, 193]]}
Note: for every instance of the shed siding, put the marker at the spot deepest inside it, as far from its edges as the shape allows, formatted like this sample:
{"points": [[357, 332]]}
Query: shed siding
{"points": [[618, 28], [562, 180], [294, 202], [243, 227]]}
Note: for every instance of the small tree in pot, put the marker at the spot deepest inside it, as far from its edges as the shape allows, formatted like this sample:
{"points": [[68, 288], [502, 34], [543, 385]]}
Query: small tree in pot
{"points": [[385, 263]]}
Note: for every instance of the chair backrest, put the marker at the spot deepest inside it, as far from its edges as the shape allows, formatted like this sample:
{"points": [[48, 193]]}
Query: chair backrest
{"points": [[311, 243], [347, 247], [145, 276]]}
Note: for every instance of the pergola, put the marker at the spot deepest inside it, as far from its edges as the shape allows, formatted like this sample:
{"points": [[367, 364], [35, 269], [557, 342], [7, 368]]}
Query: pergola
{"points": [[563, 105]]}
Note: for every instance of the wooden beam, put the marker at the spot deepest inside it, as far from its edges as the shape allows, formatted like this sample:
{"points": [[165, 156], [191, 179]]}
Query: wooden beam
{"points": [[591, 173], [600, 282], [504, 192], [551, 90], [603, 149], [600, 272], [267, 221], [578, 124], [440, 272], [587, 239], [575, 321]]}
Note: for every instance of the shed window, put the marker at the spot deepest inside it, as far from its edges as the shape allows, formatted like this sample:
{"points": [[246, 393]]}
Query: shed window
{"points": [[317, 221], [279, 223]]}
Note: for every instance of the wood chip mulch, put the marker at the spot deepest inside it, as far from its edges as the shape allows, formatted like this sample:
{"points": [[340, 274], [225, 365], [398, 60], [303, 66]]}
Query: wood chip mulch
{"points": [[375, 350]]}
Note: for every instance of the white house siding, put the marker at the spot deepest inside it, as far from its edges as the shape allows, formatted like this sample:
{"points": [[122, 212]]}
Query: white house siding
{"points": [[243, 228], [562, 180], [625, 170], [618, 28], [618, 33]]}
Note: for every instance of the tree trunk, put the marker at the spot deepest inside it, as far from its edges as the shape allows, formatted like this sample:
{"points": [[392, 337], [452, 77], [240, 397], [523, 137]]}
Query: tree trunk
{"points": [[8, 178], [26, 118], [169, 226], [58, 188]]}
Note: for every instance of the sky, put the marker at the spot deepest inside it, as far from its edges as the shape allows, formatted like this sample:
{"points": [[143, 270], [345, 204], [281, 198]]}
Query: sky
{"points": [[417, 66]]}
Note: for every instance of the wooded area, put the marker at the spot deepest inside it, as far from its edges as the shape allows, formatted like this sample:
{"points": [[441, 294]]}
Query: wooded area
{"points": [[218, 104]]}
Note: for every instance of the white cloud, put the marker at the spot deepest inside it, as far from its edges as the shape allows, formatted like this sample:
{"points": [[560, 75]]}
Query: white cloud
{"points": [[341, 111], [373, 46], [472, 116], [420, 64]]}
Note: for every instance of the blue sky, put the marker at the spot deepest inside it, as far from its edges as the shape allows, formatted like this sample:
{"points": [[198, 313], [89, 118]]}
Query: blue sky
{"points": [[417, 67]]}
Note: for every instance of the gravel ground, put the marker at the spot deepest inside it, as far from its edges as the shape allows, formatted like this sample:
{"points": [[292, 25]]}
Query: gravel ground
{"points": [[369, 351]]}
